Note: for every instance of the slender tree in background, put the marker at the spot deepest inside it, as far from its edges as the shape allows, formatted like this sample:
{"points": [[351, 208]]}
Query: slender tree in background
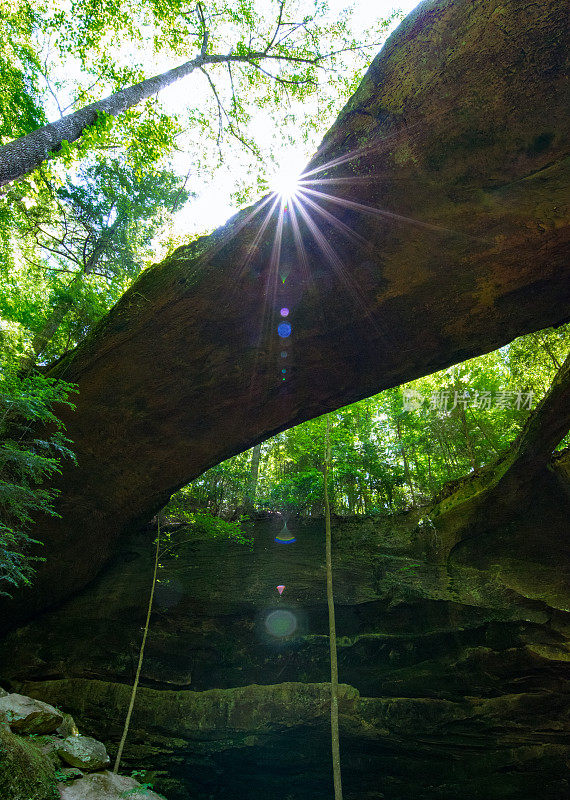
{"points": [[251, 489], [335, 744], [141, 654], [205, 523]]}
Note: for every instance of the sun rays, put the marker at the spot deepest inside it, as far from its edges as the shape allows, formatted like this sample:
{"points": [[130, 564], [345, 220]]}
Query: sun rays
{"points": [[308, 225]]}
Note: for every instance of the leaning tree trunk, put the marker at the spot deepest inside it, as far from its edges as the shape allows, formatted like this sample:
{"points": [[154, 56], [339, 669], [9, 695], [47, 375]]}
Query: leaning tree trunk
{"points": [[51, 325], [47, 331], [23, 155]]}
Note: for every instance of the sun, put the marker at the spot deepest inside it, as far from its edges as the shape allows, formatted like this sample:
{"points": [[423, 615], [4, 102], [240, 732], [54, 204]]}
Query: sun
{"points": [[286, 180], [286, 185]]}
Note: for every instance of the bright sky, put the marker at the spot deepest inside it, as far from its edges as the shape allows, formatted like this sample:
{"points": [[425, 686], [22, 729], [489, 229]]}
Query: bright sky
{"points": [[213, 206]]}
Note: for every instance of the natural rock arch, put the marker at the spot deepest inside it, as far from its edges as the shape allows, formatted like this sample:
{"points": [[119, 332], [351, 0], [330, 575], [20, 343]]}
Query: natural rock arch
{"points": [[458, 125]]}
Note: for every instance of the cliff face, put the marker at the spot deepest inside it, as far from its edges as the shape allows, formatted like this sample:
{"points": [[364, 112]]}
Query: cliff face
{"points": [[446, 173], [453, 653]]}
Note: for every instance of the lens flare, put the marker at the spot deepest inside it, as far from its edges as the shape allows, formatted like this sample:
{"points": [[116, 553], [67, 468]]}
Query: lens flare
{"points": [[284, 330], [284, 312], [281, 623], [285, 536]]}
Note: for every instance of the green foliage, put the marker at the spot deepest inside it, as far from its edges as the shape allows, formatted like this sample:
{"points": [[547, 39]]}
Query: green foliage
{"points": [[62, 777], [387, 457], [32, 445], [20, 99], [72, 250], [204, 522], [268, 56]]}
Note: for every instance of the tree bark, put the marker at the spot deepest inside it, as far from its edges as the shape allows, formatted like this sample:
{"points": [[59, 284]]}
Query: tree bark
{"points": [[406, 464], [468, 440], [50, 327], [23, 155]]}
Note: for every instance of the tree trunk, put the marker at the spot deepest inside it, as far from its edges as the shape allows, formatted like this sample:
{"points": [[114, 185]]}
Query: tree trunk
{"points": [[430, 476], [366, 498], [468, 440], [547, 350], [332, 627], [23, 155], [141, 657], [222, 497], [406, 464], [253, 477], [487, 433], [47, 332], [59, 313]]}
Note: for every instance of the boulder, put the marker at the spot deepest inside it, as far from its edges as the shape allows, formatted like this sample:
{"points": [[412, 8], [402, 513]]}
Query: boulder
{"points": [[106, 786], [83, 752], [48, 745], [25, 715]]}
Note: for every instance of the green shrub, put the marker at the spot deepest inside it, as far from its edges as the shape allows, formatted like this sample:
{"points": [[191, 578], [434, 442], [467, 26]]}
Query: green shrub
{"points": [[32, 444]]}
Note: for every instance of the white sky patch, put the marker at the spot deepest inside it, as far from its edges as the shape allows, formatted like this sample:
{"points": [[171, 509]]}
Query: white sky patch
{"points": [[213, 206], [285, 147]]}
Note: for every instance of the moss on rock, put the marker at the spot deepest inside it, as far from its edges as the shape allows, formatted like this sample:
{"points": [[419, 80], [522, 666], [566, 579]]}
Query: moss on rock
{"points": [[25, 772]]}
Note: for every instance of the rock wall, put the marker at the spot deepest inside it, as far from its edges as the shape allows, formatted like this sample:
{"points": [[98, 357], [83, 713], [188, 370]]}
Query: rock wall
{"points": [[454, 658]]}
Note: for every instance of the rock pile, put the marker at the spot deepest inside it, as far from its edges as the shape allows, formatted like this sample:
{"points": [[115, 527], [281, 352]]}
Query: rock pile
{"points": [[44, 757]]}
